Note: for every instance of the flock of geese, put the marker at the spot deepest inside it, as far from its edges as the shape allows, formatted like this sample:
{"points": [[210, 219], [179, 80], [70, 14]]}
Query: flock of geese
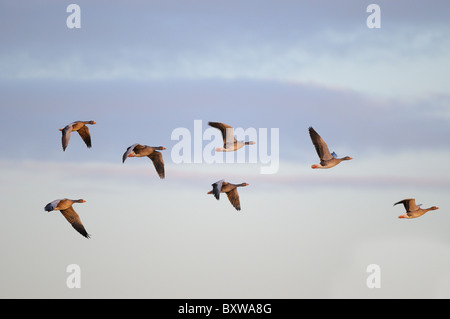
{"points": [[327, 160]]}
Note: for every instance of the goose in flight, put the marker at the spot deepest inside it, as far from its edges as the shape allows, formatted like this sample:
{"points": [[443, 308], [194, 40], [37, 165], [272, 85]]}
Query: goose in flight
{"points": [[327, 159], [413, 210], [229, 141], [81, 128], [138, 150], [228, 188], [65, 207]]}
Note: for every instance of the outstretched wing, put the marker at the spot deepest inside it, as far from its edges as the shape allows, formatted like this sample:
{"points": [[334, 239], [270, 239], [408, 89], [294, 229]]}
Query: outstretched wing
{"points": [[320, 145], [128, 151], [158, 162], [226, 130], [409, 204], [233, 196], [66, 136], [73, 218], [85, 135], [217, 187], [51, 206]]}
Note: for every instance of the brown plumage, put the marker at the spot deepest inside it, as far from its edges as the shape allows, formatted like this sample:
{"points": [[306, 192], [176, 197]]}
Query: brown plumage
{"points": [[65, 207], [138, 150], [231, 191], [327, 159], [81, 128], [413, 210], [229, 141]]}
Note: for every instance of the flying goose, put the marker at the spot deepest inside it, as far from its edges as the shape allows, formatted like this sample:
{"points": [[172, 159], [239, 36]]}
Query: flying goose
{"points": [[231, 191], [138, 150], [65, 207], [327, 159], [229, 141], [81, 128], [413, 210]]}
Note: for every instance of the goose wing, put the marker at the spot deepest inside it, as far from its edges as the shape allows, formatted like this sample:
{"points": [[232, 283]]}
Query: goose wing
{"points": [[320, 145], [217, 187], [66, 136], [226, 130], [51, 206], [128, 151], [158, 162], [409, 204], [85, 135], [233, 197], [73, 218]]}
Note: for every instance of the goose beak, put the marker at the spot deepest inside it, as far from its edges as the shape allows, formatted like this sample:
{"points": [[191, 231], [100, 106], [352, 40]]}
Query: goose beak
{"points": [[94, 122], [60, 129], [131, 155], [210, 192], [83, 201]]}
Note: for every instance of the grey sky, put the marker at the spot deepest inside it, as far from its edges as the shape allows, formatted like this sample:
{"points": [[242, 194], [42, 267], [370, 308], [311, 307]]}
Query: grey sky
{"points": [[141, 69]]}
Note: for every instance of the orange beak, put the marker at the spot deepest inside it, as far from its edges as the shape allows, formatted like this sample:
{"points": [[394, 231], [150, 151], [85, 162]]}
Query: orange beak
{"points": [[60, 129]]}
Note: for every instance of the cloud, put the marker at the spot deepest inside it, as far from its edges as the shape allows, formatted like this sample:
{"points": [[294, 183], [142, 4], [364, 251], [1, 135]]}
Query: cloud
{"points": [[372, 65], [129, 112], [327, 44]]}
